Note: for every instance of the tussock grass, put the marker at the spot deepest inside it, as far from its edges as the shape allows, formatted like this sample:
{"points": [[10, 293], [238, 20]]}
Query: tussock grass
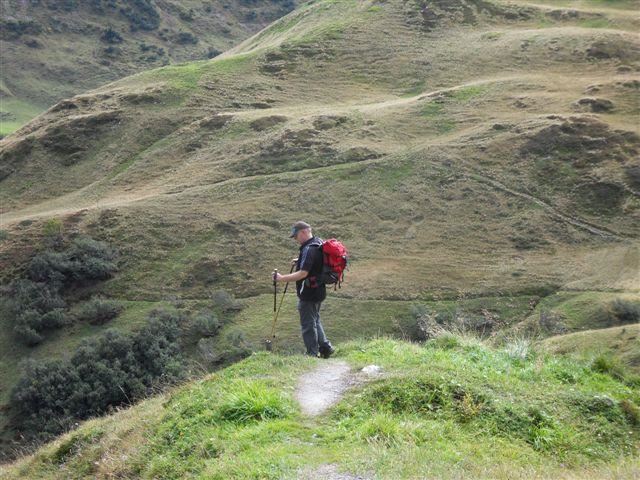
{"points": [[254, 401]]}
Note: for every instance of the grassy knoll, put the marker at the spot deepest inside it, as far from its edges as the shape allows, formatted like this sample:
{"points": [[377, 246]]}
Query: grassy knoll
{"points": [[452, 408]]}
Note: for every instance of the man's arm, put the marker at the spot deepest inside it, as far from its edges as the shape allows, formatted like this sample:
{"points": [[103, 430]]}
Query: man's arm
{"points": [[292, 277]]}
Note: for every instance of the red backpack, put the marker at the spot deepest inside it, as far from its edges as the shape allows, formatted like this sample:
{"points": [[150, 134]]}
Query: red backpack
{"points": [[334, 262]]}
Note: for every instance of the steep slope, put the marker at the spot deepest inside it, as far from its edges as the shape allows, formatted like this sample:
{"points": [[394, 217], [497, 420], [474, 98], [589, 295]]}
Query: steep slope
{"points": [[52, 50]]}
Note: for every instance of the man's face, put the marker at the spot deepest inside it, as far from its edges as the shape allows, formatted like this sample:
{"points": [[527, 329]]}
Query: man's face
{"points": [[302, 236]]}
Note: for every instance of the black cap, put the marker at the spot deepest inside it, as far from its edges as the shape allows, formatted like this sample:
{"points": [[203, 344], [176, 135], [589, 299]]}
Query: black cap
{"points": [[297, 227]]}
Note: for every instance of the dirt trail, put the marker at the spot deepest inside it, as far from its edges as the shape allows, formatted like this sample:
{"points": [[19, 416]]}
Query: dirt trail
{"points": [[320, 388]]}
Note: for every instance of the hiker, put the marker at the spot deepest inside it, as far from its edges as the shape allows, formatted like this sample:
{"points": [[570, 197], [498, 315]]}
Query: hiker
{"points": [[310, 292]]}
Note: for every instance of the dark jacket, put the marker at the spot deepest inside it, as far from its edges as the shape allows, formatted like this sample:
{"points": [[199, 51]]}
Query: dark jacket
{"points": [[310, 259]]}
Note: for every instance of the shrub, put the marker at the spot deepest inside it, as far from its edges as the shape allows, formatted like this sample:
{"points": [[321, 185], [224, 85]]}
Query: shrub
{"points": [[141, 14], [618, 312], [186, 38], [53, 232], [99, 311], [36, 302], [224, 301], [34, 307], [207, 324], [111, 36], [14, 29], [626, 311], [213, 52], [113, 369], [85, 260]]}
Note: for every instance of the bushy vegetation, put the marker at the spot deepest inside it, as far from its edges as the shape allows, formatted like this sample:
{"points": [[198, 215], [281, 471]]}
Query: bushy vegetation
{"points": [[111, 36], [618, 312], [186, 38], [36, 302], [14, 29], [114, 369], [98, 311], [142, 15]]}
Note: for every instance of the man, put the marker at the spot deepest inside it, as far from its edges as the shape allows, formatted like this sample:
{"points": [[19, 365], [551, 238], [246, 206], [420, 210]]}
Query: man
{"points": [[310, 292]]}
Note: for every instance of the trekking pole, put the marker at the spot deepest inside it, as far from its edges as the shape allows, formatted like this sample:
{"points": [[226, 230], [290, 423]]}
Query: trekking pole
{"points": [[275, 290], [269, 342]]}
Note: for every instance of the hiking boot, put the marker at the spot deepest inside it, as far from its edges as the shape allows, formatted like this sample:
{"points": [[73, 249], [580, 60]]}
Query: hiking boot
{"points": [[326, 351]]}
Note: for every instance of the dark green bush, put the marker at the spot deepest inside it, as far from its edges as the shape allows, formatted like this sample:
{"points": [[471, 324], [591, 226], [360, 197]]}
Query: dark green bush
{"points": [[35, 307], [98, 311], [36, 303], [186, 38], [105, 372], [14, 29], [111, 36], [618, 312], [84, 261], [142, 15]]}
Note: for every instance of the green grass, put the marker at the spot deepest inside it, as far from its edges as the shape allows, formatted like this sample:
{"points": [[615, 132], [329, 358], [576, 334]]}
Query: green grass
{"points": [[21, 112], [582, 310], [595, 23], [465, 94], [443, 410], [617, 343]]}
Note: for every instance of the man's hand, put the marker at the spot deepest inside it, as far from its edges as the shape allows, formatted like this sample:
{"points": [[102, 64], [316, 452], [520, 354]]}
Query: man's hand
{"points": [[294, 261], [276, 277]]}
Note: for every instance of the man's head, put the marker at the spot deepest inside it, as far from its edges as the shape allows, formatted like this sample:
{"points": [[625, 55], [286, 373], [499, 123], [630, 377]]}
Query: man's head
{"points": [[301, 231]]}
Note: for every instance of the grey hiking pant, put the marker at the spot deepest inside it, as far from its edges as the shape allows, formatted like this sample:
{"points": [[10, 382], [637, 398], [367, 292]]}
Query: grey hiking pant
{"points": [[312, 331]]}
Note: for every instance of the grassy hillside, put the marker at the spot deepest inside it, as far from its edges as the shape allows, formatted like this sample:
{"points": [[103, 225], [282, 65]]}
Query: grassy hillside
{"points": [[620, 343], [479, 160], [52, 50], [464, 411]]}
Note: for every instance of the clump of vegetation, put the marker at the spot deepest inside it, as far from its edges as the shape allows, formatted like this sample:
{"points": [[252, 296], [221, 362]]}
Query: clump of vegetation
{"points": [[207, 323], [254, 402], [14, 29], [213, 52], [618, 312], [98, 311], [36, 302], [111, 36], [142, 15], [186, 38], [114, 369], [608, 365]]}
